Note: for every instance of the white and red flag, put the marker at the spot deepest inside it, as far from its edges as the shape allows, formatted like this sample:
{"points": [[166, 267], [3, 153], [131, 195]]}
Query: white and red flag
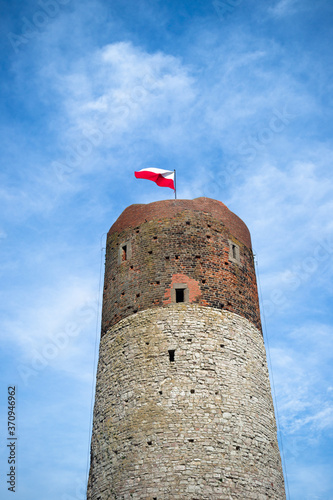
{"points": [[163, 178]]}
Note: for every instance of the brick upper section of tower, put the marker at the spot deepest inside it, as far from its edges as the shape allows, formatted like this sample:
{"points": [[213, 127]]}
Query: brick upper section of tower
{"points": [[197, 245]]}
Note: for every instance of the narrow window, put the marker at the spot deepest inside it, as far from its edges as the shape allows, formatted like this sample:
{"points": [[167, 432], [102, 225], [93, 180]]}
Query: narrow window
{"points": [[124, 253], [180, 294], [234, 254], [171, 355]]}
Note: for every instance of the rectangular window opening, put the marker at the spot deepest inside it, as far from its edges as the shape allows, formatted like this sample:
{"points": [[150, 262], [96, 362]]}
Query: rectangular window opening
{"points": [[171, 355], [180, 295], [124, 253], [234, 253]]}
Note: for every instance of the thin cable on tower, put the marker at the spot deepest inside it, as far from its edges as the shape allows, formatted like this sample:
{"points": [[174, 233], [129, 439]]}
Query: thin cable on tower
{"points": [[95, 358], [284, 466]]}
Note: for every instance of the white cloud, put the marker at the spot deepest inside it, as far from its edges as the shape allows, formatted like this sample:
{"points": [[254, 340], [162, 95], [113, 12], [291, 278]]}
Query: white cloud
{"points": [[285, 7], [310, 481], [130, 88], [302, 374], [321, 420], [57, 314]]}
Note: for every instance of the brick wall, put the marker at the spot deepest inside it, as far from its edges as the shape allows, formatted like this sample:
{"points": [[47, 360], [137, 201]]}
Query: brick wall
{"points": [[179, 241]]}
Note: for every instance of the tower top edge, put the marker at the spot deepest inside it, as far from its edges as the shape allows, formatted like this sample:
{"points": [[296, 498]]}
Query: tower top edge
{"points": [[137, 214]]}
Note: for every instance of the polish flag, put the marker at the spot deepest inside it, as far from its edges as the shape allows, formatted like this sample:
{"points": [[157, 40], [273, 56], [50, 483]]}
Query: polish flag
{"points": [[163, 178]]}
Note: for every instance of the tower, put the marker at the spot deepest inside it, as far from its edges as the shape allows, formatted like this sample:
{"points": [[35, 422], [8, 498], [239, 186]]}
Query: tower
{"points": [[183, 406]]}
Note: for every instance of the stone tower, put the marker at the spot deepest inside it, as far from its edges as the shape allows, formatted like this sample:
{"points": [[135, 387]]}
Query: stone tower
{"points": [[183, 405]]}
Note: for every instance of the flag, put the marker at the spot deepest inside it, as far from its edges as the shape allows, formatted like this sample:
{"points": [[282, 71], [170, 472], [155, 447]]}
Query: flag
{"points": [[163, 178]]}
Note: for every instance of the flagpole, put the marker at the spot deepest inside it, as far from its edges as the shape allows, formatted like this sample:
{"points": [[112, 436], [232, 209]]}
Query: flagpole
{"points": [[175, 185]]}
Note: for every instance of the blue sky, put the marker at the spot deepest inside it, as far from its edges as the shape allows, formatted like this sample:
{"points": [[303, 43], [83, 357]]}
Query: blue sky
{"points": [[237, 96]]}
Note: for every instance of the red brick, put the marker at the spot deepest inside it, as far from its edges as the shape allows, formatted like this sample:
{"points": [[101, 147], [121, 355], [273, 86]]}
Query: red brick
{"points": [[179, 241]]}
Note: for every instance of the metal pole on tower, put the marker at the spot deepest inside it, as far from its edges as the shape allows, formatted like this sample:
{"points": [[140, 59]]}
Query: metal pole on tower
{"points": [[175, 184]]}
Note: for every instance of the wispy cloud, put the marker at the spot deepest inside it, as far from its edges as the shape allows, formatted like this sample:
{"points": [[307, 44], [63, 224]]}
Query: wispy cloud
{"points": [[241, 108], [285, 7], [131, 92], [305, 401]]}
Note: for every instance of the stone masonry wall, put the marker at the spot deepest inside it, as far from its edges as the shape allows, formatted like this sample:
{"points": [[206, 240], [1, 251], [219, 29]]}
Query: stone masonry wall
{"points": [[200, 426], [151, 248]]}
